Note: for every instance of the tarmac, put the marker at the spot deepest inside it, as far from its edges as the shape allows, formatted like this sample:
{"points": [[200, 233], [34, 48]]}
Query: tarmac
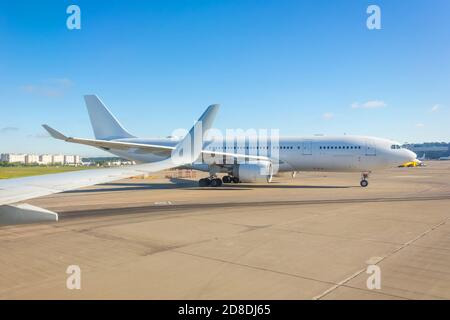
{"points": [[311, 237]]}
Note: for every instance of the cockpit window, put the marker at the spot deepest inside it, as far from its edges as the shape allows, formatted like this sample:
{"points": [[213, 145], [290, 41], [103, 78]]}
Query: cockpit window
{"points": [[395, 146]]}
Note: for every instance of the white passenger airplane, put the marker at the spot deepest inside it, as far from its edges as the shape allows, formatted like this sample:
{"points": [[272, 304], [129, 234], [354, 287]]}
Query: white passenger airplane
{"points": [[242, 160]]}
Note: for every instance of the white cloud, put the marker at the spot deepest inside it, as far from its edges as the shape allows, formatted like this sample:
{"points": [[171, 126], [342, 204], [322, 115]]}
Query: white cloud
{"points": [[436, 107], [65, 82], [51, 88], [420, 125], [8, 129], [43, 135], [372, 104], [328, 116]]}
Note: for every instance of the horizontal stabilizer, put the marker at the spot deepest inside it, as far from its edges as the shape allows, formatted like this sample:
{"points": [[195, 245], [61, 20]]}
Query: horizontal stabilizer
{"points": [[54, 133], [160, 150]]}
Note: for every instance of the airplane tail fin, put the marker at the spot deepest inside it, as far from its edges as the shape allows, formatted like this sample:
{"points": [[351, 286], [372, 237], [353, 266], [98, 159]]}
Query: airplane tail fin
{"points": [[104, 124]]}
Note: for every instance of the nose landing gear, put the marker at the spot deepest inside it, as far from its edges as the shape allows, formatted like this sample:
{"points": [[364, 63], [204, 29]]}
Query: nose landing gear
{"points": [[364, 176]]}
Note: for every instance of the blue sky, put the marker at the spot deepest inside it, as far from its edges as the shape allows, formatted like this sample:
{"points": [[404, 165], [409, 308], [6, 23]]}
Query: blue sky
{"points": [[305, 67]]}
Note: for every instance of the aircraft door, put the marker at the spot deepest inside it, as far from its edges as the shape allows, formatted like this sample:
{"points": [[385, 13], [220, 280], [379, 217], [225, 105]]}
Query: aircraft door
{"points": [[371, 149], [307, 148]]}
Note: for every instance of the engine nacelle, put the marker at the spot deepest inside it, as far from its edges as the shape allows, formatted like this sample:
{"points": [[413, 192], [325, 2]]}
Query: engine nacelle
{"points": [[260, 171]]}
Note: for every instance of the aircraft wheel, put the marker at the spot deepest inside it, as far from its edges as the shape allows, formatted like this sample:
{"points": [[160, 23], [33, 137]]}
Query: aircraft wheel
{"points": [[226, 179], [205, 182], [235, 180], [364, 183], [216, 182]]}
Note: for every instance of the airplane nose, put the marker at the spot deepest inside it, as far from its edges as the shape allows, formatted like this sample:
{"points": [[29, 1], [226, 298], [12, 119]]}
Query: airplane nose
{"points": [[412, 155], [405, 156], [409, 155]]}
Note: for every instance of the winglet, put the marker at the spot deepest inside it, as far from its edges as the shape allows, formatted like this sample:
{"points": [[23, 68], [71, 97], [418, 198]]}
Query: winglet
{"points": [[54, 133], [208, 117], [191, 146]]}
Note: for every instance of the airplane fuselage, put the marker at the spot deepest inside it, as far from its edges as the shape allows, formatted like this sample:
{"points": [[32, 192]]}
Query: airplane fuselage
{"points": [[315, 153]]}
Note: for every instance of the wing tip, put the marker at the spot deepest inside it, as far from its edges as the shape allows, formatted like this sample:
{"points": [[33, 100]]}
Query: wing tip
{"points": [[54, 133], [214, 106]]}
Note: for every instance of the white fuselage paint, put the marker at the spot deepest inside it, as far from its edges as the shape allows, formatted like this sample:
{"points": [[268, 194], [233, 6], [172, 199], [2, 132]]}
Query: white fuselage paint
{"points": [[316, 153]]}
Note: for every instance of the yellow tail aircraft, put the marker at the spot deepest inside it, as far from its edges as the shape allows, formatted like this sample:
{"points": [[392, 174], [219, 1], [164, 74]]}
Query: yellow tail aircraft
{"points": [[414, 163]]}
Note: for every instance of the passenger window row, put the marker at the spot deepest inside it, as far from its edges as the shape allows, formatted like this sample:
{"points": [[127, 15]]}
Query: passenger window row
{"points": [[253, 148], [288, 148], [339, 147]]}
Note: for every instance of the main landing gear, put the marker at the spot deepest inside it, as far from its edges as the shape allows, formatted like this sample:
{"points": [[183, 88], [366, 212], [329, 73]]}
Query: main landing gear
{"points": [[216, 182], [230, 179], [364, 176], [210, 182]]}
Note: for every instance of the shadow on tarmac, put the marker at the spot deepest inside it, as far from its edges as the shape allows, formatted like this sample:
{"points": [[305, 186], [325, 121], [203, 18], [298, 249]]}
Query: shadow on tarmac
{"points": [[176, 183]]}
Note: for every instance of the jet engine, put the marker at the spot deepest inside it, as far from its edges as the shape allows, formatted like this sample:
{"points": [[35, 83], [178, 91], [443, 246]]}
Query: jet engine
{"points": [[254, 172]]}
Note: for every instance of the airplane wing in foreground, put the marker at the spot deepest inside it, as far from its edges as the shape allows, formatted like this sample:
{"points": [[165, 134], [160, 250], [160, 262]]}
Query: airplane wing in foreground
{"points": [[20, 189]]}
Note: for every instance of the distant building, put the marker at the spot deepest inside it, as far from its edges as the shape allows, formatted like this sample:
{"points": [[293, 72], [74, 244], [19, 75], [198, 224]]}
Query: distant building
{"points": [[72, 159], [432, 150], [113, 163], [428, 148], [13, 157], [31, 158], [45, 159], [57, 158]]}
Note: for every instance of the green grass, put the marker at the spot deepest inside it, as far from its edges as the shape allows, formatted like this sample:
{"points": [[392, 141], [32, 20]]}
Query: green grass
{"points": [[17, 172]]}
